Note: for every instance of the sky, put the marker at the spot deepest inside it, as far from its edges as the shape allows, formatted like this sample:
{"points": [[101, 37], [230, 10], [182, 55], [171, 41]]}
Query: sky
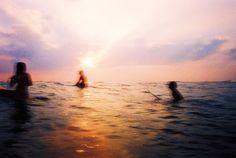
{"points": [[119, 40]]}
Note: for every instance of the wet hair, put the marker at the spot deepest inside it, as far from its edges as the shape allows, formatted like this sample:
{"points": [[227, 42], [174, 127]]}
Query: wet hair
{"points": [[20, 68], [172, 85]]}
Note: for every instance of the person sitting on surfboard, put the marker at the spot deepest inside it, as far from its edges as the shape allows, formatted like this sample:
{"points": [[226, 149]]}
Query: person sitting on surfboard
{"points": [[21, 80], [174, 91], [83, 82]]}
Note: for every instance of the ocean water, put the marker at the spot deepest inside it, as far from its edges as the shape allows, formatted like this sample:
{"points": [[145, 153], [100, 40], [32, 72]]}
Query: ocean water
{"points": [[116, 120]]}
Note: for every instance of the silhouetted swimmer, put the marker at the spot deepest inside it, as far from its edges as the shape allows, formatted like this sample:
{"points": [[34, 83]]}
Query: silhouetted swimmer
{"points": [[174, 91], [21, 80], [83, 81]]}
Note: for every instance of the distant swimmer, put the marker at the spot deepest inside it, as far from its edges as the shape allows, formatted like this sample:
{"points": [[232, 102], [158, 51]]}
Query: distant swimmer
{"points": [[174, 91], [21, 80], [83, 81]]}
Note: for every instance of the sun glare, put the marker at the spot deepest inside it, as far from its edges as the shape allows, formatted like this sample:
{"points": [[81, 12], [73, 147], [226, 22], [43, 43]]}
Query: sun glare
{"points": [[88, 62]]}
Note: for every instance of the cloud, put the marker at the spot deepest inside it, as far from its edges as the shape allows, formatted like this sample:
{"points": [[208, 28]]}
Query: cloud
{"points": [[29, 35], [232, 53], [21, 43], [203, 50], [139, 52], [5, 65]]}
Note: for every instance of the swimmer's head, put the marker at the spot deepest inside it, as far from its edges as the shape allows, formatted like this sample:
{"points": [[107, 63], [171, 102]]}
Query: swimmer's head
{"points": [[20, 68], [172, 85], [81, 72]]}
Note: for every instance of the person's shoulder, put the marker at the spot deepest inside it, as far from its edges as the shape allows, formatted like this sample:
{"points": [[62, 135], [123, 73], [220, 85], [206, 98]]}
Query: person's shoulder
{"points": [[13, 77], [26, 74]]}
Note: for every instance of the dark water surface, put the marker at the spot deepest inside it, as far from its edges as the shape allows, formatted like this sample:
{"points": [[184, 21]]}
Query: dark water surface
{"points": [[114, 120]]}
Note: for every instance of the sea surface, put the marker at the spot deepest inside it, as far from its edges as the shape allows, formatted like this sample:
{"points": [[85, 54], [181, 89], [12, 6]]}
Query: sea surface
{"points": [[120, 120]]}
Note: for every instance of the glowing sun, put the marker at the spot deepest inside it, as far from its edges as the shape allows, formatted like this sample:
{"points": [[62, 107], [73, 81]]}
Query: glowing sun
{"points": [[88, 62]]}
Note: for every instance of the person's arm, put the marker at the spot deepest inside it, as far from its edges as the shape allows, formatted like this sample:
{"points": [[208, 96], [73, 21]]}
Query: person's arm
{"points": [[80, 79], [12, 81], [77, 84], [30, 83]]}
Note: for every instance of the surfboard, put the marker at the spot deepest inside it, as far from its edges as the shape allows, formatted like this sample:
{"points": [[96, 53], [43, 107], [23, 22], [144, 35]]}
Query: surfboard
{"points": [[157, 97], [6, 93], [2, 88]]}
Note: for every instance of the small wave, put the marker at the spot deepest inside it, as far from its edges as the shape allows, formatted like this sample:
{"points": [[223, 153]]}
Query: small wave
{"points": [[42, 86], [136, 127], [42, 98], [118, 116], [151, 110], [125, 85], [201, 114], [113, 125], [170, 117], [113, 136], [74, 128], [81, 107], [130, 106], [172, 131], [51, 94], [35, 104], [59, 83]]}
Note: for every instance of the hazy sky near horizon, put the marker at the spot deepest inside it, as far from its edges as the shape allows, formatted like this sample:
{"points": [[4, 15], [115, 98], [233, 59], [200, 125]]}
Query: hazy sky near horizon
{"points": [[120, 40]]}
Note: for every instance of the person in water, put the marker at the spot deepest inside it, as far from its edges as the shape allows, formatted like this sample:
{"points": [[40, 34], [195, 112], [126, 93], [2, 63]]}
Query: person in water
{"points": [[174, 91], [21, 80], [83, 82]]}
